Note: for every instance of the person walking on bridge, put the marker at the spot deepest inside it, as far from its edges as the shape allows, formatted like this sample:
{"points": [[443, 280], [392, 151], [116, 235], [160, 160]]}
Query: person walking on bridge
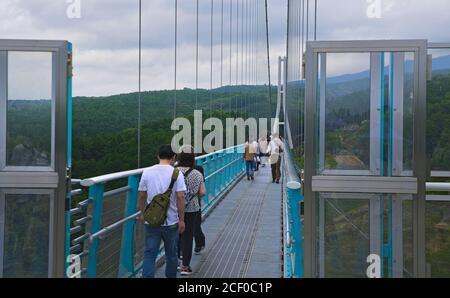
{"points": [[155, 181], [195, 191], [276, 148], [263, 144], [249, 157]]}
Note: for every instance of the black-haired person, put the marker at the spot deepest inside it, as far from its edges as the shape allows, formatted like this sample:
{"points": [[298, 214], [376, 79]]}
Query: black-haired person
{"points": [[156, 180], [195, 190], [199, 236]]}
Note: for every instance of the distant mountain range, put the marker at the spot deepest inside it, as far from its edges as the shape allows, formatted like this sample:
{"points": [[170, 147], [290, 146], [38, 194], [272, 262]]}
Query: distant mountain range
{"points": [[440, 65]]}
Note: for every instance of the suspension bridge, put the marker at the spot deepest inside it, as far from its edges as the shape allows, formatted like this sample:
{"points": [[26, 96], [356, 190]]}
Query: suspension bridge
{"points": [[357, 188]]}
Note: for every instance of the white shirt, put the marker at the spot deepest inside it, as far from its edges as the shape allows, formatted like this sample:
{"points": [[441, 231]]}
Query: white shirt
{"points": [[255, 147], [275, 145], [156, 180], [263, 146]]}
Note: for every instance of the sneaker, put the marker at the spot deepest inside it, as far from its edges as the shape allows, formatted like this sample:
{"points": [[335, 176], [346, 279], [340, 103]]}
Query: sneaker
{"points": [[253, 178], [186, 271], [198, 250], [180, 264], [248, 178]]}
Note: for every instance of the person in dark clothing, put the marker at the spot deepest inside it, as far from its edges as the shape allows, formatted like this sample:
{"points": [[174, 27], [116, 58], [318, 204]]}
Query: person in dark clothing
{"points": [[199, 236], [195, 191]]}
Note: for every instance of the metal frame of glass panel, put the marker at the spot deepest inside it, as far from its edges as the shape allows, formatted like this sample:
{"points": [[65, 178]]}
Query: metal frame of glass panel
{"points": [[54, 178], [397, 185]]}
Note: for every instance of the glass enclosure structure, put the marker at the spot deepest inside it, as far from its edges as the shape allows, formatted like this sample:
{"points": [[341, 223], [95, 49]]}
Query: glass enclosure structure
{"points": [[34, 168], [364, 131], [365, 162]]}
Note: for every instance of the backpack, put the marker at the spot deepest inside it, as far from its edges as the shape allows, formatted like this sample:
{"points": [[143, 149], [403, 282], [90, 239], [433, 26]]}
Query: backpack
{"points": [[155, 213], [188, 194]]}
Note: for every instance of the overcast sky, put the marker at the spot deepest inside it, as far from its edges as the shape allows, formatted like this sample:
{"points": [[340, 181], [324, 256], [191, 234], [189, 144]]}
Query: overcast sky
{"points": [[105, 38]]}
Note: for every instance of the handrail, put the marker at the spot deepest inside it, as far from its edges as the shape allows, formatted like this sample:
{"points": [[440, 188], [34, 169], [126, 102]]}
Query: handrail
{"points": [[115, 176], [110, 177], [106, 230], [223, 169], [438, 186], [220, 170], [220, 151]]}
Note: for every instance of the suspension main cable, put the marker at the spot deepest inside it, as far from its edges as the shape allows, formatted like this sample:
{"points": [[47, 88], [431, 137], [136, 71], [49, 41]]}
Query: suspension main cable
{"points": [[211, 58], [237, 54], [221, 45], [221, 56], [231, 46], [196, 60], [139, 88], [268, 58], [175, 69], [307, 20], [315, 19]]}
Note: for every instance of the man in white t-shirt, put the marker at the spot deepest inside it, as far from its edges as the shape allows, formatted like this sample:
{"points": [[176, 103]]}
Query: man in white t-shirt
{"points": [[156, 180], [276, 148]]}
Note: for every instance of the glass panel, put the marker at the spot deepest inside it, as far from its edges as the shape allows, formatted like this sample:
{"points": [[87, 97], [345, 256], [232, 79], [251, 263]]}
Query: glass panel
{"points": [[438, 238], [407, 234], [399, 113], [344, 100], [26, 239], [408, 113], [29, 109], [438, 111], [350, 227], [345, 243]]}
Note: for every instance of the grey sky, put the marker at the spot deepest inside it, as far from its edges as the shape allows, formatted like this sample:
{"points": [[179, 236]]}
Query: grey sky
{"points": [[105, 38]]}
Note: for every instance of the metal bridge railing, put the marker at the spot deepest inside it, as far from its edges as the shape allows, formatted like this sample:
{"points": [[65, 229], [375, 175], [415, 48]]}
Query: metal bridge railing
{"points": [[292, 223], [107, 234]]}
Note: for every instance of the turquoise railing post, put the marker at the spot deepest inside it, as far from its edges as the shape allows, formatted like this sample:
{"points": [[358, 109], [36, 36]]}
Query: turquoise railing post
{"points": [[219, 173], [235, 163], [208, 180], [229, 166], [213, 177], [223, 181], [127, 249], [294, 199], [95, 194], [241, 159]]}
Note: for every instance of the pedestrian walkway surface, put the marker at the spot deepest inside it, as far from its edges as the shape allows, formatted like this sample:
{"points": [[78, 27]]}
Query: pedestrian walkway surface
{"points": [[243, 233]]}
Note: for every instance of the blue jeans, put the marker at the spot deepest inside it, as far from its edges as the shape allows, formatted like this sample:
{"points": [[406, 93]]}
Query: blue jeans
{"points": [[249, 167], [153, 236]]}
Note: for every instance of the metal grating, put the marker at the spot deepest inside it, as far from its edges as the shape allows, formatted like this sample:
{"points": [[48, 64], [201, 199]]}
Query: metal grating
{"points": [[108, 256], [229, 256]]}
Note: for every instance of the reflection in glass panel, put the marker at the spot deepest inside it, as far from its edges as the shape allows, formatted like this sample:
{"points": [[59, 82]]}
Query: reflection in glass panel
{"points": [[408, 112], [399, 113], [438, 238], [407, 237], [438, 111], [29, 116], [346, 237], [344, 101], [26, 240]]}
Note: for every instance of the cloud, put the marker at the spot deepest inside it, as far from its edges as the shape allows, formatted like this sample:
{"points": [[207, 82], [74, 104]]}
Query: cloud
{"points": [[105, 39]]}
